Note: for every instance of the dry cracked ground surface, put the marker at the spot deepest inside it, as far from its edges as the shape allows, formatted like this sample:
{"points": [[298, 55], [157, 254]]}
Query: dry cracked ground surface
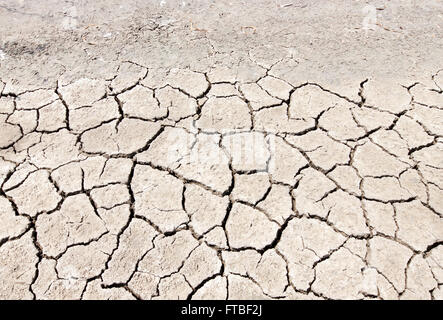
{"points": [[221, 150]]}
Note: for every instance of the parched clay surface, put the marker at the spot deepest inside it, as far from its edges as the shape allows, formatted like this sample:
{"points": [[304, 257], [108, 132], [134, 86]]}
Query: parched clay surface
{"points": [[221, 150]]}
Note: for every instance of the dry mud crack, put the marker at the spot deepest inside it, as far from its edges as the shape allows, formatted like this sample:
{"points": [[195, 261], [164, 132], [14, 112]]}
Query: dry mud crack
{"points": [[236, 181]]}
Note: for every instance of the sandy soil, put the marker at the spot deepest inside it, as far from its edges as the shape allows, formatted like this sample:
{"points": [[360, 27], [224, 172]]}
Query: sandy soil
{"points": [[221, 149]]}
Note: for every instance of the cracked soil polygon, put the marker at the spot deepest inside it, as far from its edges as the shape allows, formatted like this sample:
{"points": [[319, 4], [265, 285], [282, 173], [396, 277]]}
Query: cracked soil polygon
{"points": [[144, 159]]}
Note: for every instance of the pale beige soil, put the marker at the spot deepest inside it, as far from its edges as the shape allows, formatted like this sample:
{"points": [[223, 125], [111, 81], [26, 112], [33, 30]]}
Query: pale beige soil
{"points": [[221, 149]]}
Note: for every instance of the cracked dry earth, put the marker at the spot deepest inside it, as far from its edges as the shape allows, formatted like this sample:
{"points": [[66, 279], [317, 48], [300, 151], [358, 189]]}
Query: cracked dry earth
{"points": [[225, 183]]}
